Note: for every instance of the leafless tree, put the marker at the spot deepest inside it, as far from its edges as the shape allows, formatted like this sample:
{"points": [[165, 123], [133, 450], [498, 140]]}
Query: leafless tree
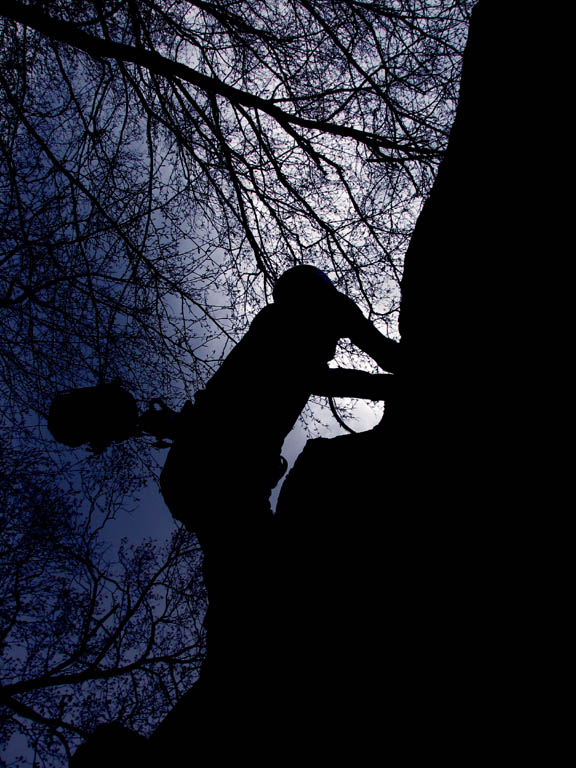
{"points": [[162, 163], [86, 637]]}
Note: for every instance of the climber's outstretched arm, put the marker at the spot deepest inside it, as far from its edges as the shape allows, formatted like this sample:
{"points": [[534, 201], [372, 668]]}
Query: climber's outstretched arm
{"points": [[347, 382], [381, 349], [364, 334]]}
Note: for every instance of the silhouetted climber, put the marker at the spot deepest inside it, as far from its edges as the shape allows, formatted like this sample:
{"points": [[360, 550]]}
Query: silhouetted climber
{"points": [[226, 456], [232, 436], [249, 406]]}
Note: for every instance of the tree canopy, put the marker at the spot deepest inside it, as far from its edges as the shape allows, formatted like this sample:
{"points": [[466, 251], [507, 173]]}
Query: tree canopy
{"points": [[162, 163]]}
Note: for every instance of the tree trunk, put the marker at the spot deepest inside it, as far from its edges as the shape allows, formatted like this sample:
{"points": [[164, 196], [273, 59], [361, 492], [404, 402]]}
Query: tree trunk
{"points": [[423, 532]]}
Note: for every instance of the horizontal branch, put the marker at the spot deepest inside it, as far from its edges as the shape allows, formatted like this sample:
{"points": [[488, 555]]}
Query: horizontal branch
{"points": [[23, 710], [87, 676], [98, 48]]}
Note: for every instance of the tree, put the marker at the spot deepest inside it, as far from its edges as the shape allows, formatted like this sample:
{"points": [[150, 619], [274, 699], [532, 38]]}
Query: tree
{"points": [[162, 163], [452, 521], [87, 638]]}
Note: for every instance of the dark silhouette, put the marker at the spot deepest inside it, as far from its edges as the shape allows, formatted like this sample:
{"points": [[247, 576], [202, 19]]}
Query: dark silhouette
{"points": [[253, 401], [97, 416], [226, 459], [234, 433], [107, 413], [112, 745]]}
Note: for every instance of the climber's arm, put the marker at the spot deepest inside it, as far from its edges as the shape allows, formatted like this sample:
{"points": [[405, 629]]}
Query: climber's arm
{"points": [[364, 334]]}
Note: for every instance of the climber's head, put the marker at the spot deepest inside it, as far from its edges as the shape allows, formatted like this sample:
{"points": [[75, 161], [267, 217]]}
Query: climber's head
{"points": [[303, 283]]}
